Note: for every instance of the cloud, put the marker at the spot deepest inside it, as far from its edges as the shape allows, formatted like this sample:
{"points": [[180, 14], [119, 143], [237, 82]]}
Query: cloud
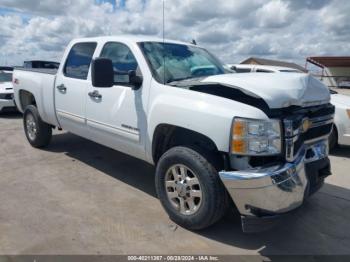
{"points": [[233, 30], [274, 14], [309, 4], [335, 18], [216, 37]]}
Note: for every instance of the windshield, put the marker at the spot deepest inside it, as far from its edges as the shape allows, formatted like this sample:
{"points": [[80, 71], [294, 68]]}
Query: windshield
{"points": [[5, 77], [175, 62]]}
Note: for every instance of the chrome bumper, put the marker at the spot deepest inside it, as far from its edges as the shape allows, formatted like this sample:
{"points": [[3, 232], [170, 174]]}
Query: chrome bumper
{"points": [[275, 189]]}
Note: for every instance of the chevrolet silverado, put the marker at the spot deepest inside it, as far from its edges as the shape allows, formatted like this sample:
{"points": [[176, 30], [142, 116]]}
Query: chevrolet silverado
{"points": [[253, 142]]}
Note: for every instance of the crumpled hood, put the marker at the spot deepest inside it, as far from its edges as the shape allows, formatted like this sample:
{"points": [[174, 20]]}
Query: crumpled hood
{"points": [[277, 89]]}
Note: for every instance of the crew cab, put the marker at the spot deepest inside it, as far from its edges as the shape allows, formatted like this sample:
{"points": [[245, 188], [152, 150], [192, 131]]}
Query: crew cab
{"points": [[218, 141], [6, 89]]}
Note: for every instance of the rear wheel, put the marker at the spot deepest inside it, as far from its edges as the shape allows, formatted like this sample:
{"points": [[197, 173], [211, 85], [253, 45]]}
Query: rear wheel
{"points": [[190, 189], [38, 133]]}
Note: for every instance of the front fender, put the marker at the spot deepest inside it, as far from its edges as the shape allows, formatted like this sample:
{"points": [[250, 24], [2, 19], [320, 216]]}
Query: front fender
{"points": [[206, 114]]}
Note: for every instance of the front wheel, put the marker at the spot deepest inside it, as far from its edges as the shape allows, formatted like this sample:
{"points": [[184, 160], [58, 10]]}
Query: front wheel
{"points": [[190, 189], [38, 133]]}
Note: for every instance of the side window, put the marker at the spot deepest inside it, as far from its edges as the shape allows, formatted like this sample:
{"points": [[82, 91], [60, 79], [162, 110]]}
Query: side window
{"points": [[123, 61], [79, 60]]}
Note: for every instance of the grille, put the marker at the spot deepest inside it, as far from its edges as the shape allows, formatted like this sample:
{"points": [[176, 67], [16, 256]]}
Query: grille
{"points": [[319, 124], [313, 134], [6, 96], [316, 132]]}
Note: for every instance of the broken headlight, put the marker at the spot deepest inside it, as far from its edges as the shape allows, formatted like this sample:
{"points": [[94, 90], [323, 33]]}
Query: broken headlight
{"points": [[256, 137]]}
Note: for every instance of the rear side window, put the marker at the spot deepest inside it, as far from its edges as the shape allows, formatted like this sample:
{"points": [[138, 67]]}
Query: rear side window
{"points": [[79, 60]]}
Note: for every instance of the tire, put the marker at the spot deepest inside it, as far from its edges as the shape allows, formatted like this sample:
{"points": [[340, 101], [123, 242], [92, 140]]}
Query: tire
{"points": [[333, 139], [38, 133], [209, 207]]}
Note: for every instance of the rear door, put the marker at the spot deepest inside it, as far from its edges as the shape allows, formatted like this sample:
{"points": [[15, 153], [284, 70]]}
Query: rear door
{"points": [[71, 87]]}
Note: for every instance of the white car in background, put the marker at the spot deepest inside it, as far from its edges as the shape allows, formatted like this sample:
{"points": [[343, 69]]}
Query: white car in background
{"points": [[6, 88], [244, 68], [344, 84], [341, 131]]}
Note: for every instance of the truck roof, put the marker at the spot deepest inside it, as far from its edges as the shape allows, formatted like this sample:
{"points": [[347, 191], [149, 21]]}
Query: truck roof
{"points": [[131, 39]]}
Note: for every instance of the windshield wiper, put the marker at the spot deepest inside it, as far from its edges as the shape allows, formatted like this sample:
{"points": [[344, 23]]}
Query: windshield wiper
{"points": [[174, 81]]}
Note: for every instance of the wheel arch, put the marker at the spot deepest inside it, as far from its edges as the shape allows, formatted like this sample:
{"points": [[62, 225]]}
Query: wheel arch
{"points": [[167, 136], [26, 98]]}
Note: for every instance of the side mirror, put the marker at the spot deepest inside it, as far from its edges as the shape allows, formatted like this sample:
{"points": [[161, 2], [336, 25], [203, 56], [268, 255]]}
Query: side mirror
{"points": [[135, 79], [102, 74]]}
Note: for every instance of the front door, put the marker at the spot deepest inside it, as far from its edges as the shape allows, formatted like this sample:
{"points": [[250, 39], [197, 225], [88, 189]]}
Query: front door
{"points": [[115, 116], [71, 86]]}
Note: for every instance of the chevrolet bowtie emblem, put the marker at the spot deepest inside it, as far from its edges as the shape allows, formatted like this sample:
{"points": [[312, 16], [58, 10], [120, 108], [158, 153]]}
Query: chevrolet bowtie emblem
{"points": [[305, 125]]}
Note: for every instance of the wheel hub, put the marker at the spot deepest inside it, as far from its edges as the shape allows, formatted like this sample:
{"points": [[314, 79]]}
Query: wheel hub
{"points": [[183, 189], [31, 127]]}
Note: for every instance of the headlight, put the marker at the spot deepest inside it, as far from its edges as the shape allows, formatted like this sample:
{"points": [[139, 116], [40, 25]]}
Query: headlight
{"points": [[256, 137]]}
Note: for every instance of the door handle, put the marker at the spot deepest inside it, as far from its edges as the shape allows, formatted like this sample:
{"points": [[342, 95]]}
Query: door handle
{"points": [[62, 88], [95, 94]]}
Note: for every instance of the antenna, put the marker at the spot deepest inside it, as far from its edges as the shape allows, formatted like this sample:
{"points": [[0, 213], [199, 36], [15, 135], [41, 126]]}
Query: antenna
{"points": [[164, 42], [163, 21]]}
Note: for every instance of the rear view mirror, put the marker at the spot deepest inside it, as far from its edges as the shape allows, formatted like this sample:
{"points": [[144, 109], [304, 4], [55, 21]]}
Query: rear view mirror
{"points": [[135, 79], [102, 74]]}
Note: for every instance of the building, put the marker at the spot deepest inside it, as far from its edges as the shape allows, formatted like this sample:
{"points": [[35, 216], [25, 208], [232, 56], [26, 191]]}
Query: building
{"points": [[264, 61], [335, 70]]}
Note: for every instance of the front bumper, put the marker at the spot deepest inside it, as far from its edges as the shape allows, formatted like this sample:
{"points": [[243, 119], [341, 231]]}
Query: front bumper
{"points": [[267, 192]]}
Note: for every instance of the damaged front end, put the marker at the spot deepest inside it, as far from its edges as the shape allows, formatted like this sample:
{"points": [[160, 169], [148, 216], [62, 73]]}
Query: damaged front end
{"points": [[275, 163], [265, 193], [265, 190]]}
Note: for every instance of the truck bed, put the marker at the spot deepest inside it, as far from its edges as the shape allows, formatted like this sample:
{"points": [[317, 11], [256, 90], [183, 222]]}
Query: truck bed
{"points": [[38, 70], [41, 84]]}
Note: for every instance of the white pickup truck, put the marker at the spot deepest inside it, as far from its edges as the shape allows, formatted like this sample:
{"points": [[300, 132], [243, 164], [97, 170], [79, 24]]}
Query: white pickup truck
{"points": [[6, 88], [213, 137]]}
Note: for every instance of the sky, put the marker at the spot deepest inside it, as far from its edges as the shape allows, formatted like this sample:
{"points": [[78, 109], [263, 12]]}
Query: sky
{"points": [[233, 30]]}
